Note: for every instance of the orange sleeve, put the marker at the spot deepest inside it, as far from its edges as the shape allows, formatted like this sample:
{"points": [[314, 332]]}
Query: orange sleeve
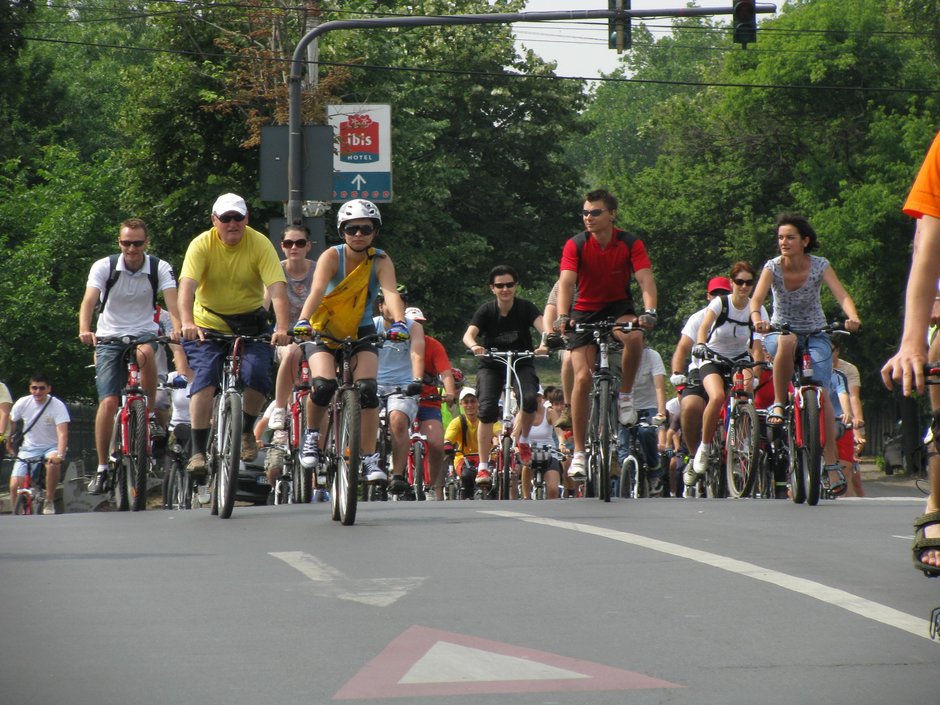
{"points": [[924, 198]]}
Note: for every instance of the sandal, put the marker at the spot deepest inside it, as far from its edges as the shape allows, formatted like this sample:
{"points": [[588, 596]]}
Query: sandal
{"points": [[841, 486], [777, 418], [922, 543]]}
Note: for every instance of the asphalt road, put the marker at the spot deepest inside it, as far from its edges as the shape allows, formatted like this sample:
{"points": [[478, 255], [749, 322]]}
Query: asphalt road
{"points": [[650, 601]]}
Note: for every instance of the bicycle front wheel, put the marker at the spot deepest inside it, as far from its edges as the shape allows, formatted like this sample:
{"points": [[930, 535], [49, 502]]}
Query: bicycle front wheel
{"points": [[137, 459], [302, 477], [795, 466], [23, 506], [417, 459], [604, 423], [503, 468], [349, 458], [741, 464], [812, 448], [229, 440]]}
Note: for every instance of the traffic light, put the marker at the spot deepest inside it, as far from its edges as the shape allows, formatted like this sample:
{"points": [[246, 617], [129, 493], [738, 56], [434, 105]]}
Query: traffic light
{"points": [[618, 28], [744, 14]]}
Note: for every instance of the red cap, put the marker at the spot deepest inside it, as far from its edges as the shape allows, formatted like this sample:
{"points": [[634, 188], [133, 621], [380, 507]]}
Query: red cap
{"points": [[716, 283]]}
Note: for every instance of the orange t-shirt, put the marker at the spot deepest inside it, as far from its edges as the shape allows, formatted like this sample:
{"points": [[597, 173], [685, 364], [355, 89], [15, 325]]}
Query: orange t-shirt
{"points": [[924, 198]]}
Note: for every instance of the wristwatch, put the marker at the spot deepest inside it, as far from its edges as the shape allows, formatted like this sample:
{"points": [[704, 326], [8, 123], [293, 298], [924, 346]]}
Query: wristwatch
{"points": [[650, 312]]}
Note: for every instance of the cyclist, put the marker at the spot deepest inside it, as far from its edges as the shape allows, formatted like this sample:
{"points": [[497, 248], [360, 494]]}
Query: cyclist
{"points": [[725, 328], [298, 270], [505, 324], [549, 315], [686, 376], [462, 435], [222, 289], [599, 263], [542, 433], [906, 367], [853, 439], [46, 435], [649, 391], [125, 288], [346, 282], [6, 403], [795, 277]]}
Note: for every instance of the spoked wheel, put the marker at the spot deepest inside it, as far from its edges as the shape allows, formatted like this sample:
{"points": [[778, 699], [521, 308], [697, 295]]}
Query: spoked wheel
{"points": [[348, 459], [23, 506], [603, 436], [629, 470], [122, 484], [137, 459], [179, 490], [742, 448], [302, 477], [812, 449], [229, 440], [504, 469], [417, 460], [715, 474], [795, 467]]}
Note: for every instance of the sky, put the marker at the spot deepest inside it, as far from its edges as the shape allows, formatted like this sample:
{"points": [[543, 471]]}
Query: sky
{"points": [[580, 48]]}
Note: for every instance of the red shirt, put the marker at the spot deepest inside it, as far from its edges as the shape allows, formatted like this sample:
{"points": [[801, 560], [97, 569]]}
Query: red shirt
{"points": [[435, 362], [604, 274]]}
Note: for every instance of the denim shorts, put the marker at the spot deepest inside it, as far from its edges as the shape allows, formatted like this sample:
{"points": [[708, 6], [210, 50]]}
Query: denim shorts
{"points": [[398, 402], [19, 467], [110, 374], [820, 350], [429, 413], [206, 359]]}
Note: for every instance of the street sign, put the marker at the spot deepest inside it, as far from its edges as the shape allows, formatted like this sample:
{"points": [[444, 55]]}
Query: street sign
{"points": [[362, 159]]}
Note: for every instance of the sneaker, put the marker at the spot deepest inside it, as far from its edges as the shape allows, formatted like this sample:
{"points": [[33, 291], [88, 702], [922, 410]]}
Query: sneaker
{"points": [[197, 464], [249, 447], [397, 485], [371, 472], [525, 453], [203, 496], [689, 476], [483, 477], [310, 452], [98, 483], [700, 463], [48, 508], [576, 471], [626, 414], [277, 419], [156, 430]]}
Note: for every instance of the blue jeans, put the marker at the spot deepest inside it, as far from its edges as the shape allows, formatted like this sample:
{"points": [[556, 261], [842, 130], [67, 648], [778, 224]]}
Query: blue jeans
{"points": [[648, 441], [820, 350]]}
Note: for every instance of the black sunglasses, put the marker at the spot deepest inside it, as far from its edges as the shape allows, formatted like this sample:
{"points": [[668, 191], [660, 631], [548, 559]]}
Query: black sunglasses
{"points": [[229, 217], [133, 243], [353, 229], [503, 285], [293, 243], [594, 212], [743, 282]]}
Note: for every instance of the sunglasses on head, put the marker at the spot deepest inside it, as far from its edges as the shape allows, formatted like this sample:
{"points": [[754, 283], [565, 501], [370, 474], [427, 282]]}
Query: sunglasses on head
{"points": [[743, 282], [353, 229], [504, 285], [594, 212], [293, 243], [229, 217], [132, 243]]}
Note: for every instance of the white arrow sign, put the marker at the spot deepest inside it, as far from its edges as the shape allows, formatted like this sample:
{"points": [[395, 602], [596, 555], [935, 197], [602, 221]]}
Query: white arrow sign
{"points": [[378, 592], [359, 182]]}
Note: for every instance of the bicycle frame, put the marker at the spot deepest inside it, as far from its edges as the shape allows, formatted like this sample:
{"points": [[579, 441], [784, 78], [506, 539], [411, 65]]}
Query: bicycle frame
{"points": [[31, 493]]}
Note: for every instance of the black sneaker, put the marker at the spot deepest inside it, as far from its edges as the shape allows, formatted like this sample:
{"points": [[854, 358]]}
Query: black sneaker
{"points": [[98, 483], [398, 485]]}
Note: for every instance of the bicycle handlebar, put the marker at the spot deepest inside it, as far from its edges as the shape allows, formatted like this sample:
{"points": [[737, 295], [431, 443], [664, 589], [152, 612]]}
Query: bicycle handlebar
{"points": [[216, 335], [834, 327], [743, 361], [608, 327]]}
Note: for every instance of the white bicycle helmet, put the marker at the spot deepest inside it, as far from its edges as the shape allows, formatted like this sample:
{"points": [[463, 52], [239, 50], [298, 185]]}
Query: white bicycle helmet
{"points": [[359, 208]]}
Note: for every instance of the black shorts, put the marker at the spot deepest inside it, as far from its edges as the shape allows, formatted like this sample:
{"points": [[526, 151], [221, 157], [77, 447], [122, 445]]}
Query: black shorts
{"points": [[693, 386], [357, 348], [612, 310]]}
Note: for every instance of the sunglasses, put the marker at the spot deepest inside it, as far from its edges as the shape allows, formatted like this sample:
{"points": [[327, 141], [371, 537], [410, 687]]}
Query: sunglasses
{"points": [[37, 387], [229, 217], [133, 243], [743, 282], [504, 285], [287, 244], [594, 212], [353, 229]]}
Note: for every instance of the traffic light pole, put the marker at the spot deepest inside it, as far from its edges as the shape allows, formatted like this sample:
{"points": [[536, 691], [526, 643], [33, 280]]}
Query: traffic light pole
{"points": [[298, 62]]}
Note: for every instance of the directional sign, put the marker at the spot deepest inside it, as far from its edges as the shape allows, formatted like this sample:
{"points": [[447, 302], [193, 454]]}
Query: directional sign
{"points": [[425, 662], [362, 160]]}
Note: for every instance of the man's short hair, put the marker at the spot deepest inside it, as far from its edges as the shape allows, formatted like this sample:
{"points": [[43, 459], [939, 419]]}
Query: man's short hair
{"points": [[502, 270], [40, 377], [134, 224], [601, 194]]}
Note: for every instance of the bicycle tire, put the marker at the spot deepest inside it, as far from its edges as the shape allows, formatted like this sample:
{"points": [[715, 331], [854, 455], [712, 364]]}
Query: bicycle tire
{"points": [[349, 457], [591, 445], [603, 439], [741, 455], [171, 488], [628, 473], [229, 440], [122, 496], [138, 458], [504, 469], [302, 477], [795, 466], [812, 448], [23, 506], [416, 461], [715, 474]]}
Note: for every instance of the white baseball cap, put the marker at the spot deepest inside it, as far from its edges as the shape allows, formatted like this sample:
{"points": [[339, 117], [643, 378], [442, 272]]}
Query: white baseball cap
{"points": [[414, 314], [229, 202], [467, 392]]}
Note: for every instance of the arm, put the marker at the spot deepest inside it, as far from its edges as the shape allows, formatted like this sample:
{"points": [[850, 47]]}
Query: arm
{"points": [[566, 285], [539, 325], [85, 311], [186, 300], [659, 384], [757, 300], [470, 340], [278, 293], [703, 330], [845, 301], [647, 283], [171, 299], [417, 347], [62, 437], [681, 355], [325, 270], [4, 419], [385, 271]]}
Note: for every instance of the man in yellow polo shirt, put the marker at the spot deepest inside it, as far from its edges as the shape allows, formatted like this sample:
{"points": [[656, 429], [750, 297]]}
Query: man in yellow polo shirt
{"points": [[221, 288]]}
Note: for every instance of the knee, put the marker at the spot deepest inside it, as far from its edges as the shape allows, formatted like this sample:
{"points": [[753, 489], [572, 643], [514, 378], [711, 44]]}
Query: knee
{"points": [[368, 393], [323, 390]]}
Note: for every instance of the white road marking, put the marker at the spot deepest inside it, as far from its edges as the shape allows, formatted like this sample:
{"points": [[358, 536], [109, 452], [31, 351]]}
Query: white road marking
{"points": [[454, 663], [377, 592], [824, 593]]}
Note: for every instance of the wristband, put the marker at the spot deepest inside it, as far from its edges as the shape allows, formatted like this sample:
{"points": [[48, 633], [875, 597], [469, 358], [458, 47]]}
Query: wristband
{"points": [[650, 312]]}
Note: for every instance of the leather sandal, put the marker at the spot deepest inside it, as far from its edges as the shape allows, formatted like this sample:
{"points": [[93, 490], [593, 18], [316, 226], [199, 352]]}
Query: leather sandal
{"points": [[922, 543]]}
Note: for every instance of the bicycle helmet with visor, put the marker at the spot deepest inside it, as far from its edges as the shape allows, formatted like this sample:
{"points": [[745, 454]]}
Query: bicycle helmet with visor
{"points": [[356, 209]]}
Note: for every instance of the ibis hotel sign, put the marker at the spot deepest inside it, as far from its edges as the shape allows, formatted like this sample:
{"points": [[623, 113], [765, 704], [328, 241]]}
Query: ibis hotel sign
{"points": [[362, 157]]}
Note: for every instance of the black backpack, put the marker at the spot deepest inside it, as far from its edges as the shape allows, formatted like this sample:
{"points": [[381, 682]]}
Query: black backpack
{"points": [[626, 238], [724, 318], [114, 273]]}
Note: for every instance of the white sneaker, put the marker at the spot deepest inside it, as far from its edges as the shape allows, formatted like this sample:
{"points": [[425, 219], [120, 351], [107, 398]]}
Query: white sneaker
{"points": [[48, 508], [371, 472], [310, 452], [576, 469], [690, 477], [277, 419], [626, 414], [700, 462]]}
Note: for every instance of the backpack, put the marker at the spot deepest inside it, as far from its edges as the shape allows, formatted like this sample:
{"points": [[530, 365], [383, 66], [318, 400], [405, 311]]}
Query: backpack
{"points": [[114, 273], [623, 236], [724, 318]]}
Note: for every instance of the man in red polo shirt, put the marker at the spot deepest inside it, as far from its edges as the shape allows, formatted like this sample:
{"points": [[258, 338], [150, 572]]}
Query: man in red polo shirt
{"points": [[599, 264]]}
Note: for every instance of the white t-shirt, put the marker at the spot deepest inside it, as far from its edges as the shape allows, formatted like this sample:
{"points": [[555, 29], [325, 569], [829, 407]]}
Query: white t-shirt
{"points": [[690, 331], [644, 390], [129, 310], [43, 433], [5, 397], [733, 337], [179, 399]]}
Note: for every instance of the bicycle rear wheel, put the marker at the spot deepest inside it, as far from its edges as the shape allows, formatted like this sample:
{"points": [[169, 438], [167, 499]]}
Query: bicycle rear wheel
{"points": [[741, 458], [137, 459], [812, 448], [229, 439], [348, 457]]}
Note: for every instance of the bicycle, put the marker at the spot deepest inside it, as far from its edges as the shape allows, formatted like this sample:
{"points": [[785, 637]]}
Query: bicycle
{"points": [[342, 455], [130, 439], [223, 451], [179, 486], [805, 421], [634, 480], [301, 483], [601, 439], [505, 466], [542, 456], [31, 495]]}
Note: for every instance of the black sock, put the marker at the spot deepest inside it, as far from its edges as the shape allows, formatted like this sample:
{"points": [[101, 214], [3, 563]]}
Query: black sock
{"points": [[200, 439]]}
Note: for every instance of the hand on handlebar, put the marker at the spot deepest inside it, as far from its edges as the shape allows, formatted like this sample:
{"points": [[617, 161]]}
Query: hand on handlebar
{"points": [[852, 325], [303, 329], [677, 379], [700, 350], [398, 332]]}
